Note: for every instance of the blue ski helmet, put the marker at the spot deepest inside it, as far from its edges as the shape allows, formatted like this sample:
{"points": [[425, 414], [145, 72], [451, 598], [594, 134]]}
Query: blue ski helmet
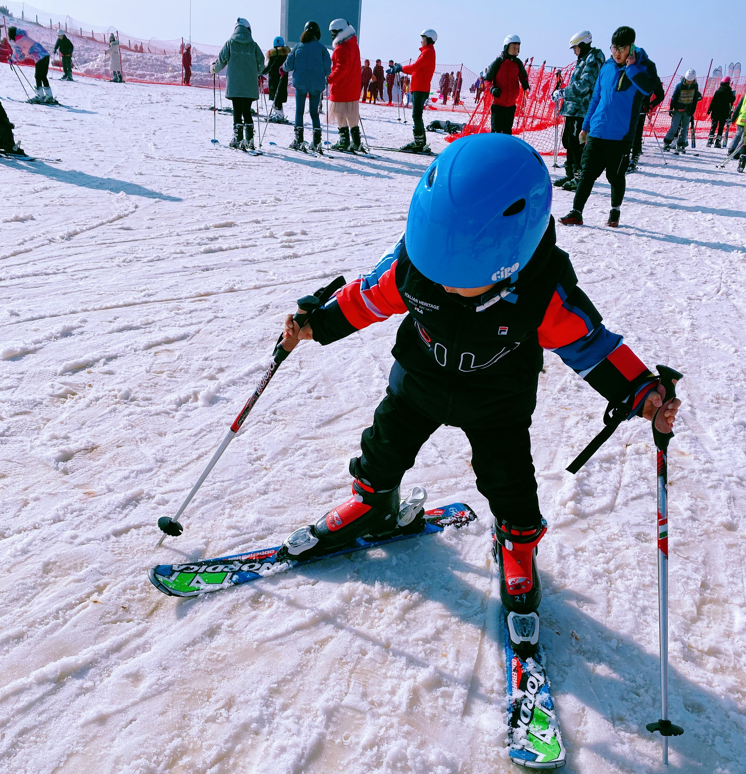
{"points": [[278, 41], [479, 211]]}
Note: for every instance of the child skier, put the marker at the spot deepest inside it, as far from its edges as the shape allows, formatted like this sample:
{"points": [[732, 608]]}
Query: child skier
{"points": [[278, 79], [484, 288]]}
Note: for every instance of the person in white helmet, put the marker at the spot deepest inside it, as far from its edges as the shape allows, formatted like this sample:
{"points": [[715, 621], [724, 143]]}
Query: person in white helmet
{"points": [[344, 86], [507, 75], [65, 46], [683, 104], [422, 71], [576, 97]]}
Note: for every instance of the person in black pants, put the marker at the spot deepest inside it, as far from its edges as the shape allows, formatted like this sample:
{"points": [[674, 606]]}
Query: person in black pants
{"points": [[65, 46], [7, 141], [649, 103], [719, 110]]}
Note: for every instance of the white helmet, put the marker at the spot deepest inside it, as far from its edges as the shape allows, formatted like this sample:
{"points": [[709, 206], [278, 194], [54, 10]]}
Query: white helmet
{"points": [[338, 25], [581, 37], [511, 39], [60, 33], [432, 34], [690, 74]]}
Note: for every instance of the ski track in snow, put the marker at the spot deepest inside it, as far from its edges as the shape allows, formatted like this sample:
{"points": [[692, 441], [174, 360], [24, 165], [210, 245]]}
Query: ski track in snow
{"points": [[143, 282]]}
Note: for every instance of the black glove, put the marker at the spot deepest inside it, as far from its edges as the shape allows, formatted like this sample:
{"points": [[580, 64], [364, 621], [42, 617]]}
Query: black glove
{"points": [[670, 113], [496, 91]]}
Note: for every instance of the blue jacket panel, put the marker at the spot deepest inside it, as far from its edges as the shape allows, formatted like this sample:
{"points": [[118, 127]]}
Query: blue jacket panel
{"points": [[310, 65], [615, 105]]}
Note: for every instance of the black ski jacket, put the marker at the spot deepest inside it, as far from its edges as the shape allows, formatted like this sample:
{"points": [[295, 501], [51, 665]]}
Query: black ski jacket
{"points": [[64, 45], [492, 343], [721, 103]]}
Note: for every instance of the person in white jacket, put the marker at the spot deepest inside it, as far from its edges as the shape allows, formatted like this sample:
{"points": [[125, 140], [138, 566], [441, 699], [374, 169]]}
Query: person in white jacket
{"points": [[115, 56]]}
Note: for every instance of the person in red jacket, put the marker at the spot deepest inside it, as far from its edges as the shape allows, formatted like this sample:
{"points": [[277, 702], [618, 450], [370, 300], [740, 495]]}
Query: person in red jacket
{"points": [[422, 75], [344, 86], [186, 63], [506, 74]]}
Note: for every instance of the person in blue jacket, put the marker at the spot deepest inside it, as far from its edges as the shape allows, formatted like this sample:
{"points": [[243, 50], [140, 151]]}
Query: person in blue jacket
{"points": [[310, 64], [610, 123]]}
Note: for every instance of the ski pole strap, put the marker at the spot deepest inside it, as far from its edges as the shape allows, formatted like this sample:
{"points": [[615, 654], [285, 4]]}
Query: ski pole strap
{"points": [[667, 376], [615, 414], [308, 305]]}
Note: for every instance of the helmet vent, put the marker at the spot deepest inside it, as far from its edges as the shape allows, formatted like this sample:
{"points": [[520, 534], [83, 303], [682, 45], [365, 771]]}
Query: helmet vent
{"points": [[515, 208], [431, 175]]}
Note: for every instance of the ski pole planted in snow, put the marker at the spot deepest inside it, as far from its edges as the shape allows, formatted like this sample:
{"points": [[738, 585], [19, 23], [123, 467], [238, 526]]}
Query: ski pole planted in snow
{"points": [[19, 80], [308, 304], [664, 725], [214, 114]]}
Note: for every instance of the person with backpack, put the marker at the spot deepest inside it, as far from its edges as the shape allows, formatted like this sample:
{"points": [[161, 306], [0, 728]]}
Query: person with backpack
{"points": [[507, 76], [576, 97], [278, 79], [344, 86], [65, 46], [245, 60], [719, 110], [310, 64]]}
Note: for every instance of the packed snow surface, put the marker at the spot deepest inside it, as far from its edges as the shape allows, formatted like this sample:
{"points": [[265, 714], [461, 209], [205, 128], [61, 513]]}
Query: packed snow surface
{"points": [[143, 283]]}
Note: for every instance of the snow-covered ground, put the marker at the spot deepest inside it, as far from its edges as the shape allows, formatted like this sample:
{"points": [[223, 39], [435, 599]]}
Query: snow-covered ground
{"points": [[143, 282]]}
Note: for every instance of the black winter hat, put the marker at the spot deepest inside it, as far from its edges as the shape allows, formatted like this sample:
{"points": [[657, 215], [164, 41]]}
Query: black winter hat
{"points": [[623, 36], [12, 33]]}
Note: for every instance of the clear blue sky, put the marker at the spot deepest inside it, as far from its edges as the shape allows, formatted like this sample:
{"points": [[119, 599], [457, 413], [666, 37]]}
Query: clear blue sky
{"points": [[470, 32]]}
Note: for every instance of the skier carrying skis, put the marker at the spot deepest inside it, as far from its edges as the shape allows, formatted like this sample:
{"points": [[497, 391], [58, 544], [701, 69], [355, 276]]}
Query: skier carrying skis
{"points": [[485, 289], [25, 47], [245, 60], [115, 55], [576, 98], [421, 70], [683, 104], [344, 86], [507, 75], [278, 78], [719, 111], [310, 64], [8, 144], [610, 123], [65, 46]]}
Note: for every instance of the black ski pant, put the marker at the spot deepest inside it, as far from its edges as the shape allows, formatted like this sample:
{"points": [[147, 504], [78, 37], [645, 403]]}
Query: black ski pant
{"points": [[600, 155], [717, 127], [637, 144], [67, 65], [7, 142], [419, 98], [571, 143], [499, 438], [40, 73], [501, 119], [242, 110]]}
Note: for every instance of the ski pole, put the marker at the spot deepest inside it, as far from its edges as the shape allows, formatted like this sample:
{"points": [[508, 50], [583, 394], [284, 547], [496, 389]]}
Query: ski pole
{"points": [[664, 725], [171, 526], [362, 125], [19, 80], [652, 128], [214, 114]]}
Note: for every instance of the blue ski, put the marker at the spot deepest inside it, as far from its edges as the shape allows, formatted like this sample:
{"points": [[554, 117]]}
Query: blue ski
{"points": [[195, 578]]}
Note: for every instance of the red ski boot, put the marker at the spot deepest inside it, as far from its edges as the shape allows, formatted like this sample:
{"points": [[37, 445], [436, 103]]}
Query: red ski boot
{"points": [[520, 584], [366, 513]]}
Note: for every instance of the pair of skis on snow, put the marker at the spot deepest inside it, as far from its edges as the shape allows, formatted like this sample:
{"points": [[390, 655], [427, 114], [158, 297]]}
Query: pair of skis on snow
{"points": [[534, 737]]}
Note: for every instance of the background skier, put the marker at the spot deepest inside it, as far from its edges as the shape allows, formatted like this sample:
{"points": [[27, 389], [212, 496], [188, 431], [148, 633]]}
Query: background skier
{"points": [[65, 46], [366, 73], [310, 64], [683, 104], [278, 78], [390, 80], [25, 47], [610, 123], [576, 99], [507, 75], [719, 110], [115, 55], [186, 63], [380, 76], [484, 288], [245, 60], [648, 106], [344, 86], [421, 70]]}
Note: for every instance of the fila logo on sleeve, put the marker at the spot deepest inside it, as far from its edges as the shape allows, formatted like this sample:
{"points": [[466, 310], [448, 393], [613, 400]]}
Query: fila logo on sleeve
{"points": [[502, 330]]}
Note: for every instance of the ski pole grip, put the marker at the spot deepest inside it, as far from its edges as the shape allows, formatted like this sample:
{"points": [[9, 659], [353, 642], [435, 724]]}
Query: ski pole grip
{"points": [[667, 376], [308, 305]]}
